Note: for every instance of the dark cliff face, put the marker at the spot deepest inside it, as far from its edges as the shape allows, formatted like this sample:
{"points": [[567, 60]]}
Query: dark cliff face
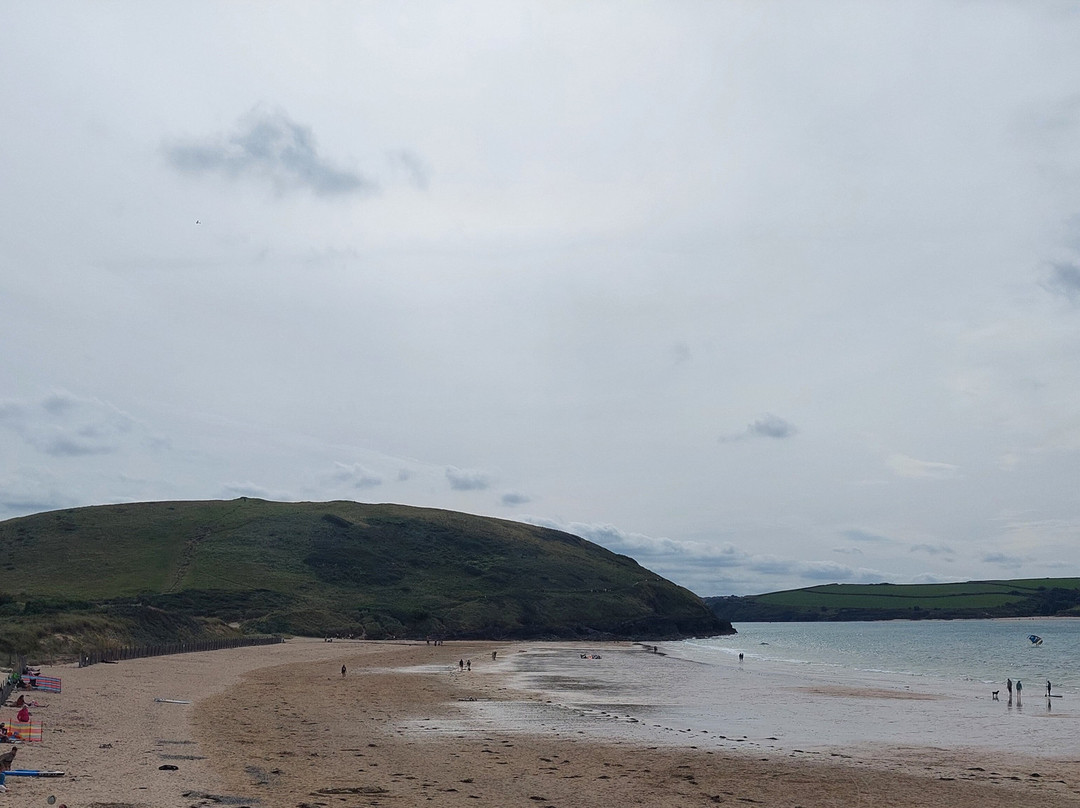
{"points": [[337, 568]]}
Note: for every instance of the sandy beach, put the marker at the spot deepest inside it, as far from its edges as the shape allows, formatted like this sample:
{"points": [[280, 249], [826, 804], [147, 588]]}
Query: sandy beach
{"points": [[279, 726]]}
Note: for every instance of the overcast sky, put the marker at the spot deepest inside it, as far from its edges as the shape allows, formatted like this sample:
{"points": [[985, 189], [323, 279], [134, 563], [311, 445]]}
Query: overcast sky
{"points": [[763, 295]]}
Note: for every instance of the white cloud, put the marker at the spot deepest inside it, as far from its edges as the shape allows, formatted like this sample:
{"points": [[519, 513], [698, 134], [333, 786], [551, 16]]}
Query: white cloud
{"points": [[355, 475], [467, 479], [911, 468], [247, 489]]}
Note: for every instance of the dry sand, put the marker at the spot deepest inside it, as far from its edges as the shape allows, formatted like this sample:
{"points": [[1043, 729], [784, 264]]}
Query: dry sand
{"points": [[278, 727]]}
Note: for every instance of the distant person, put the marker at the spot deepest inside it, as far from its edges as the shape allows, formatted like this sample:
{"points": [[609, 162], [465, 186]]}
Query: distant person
{"points": [[1019, 691], [493, 655], [342, 671], [461, 664], [468, 665], [1008, 686], [6, 762], [740, 656], [23, 716], [1047, 688]]}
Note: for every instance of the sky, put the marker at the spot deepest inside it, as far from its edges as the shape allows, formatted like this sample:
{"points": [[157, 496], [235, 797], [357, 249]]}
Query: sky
{"points": [[761, 294]]}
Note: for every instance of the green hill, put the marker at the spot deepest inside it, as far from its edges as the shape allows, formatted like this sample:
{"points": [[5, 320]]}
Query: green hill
{"points": [[150, 572], [974, 599]]}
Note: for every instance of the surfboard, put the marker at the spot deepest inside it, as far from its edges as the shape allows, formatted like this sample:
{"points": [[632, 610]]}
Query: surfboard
{"points": [[172, 701], [32, 773]]}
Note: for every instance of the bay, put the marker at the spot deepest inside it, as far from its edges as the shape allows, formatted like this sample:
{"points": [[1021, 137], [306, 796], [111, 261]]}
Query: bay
{"points": [[983, 651]]}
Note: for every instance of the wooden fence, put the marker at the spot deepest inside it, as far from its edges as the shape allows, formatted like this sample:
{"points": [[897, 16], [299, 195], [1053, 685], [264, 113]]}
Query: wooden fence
{"points": [[12, 680], [137, 651]]}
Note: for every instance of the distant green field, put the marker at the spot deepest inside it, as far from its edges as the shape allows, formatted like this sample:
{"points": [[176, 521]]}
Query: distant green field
{"points": [[1026, 597]]}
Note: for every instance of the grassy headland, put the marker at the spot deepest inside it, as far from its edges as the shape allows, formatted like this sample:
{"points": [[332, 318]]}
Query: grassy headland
{"points": [[161, 571], [974, 599]]}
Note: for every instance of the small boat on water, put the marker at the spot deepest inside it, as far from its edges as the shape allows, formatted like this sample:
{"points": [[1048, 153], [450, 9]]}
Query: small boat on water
{"points": [[1035, 639]]}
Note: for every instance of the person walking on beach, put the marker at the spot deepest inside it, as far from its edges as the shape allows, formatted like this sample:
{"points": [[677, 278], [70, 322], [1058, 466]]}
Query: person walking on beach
{"points": [[1008, 686], [461, 664], [1047, 688], [1019, 690], [342, 671]]}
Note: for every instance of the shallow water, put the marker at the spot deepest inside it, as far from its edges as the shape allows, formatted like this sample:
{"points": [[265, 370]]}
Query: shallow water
{"points": [[814, 687]]}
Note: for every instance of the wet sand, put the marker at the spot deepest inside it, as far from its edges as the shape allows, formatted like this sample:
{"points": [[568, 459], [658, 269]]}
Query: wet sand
{"points": [[279, 726]]}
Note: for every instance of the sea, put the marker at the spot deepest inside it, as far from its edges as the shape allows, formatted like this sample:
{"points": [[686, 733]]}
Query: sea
{"points": [[814, 686], [961, 651]]}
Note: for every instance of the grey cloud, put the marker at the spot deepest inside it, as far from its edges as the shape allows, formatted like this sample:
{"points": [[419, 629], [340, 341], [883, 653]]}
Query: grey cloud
{"points": [[415, 170], [466, 480], [704, 566], [1064, 280], [864, 536], [680, 353], [932, 549], [771, 426], [1004, 559], [30, 491], [767, 426], [513, 498], [58, 404], [11, 412], [814, 570], [848, 550], [271, 146], [73, 446], [12, 503], [63, 425], [639, 545]]}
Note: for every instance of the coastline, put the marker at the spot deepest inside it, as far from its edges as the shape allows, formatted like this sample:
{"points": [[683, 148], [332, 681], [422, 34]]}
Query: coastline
{"points": [[279, 726]]}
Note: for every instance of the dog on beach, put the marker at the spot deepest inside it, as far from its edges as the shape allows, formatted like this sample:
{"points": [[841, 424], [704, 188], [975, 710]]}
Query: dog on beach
{"points": [[7, 759], [993, 695]]}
